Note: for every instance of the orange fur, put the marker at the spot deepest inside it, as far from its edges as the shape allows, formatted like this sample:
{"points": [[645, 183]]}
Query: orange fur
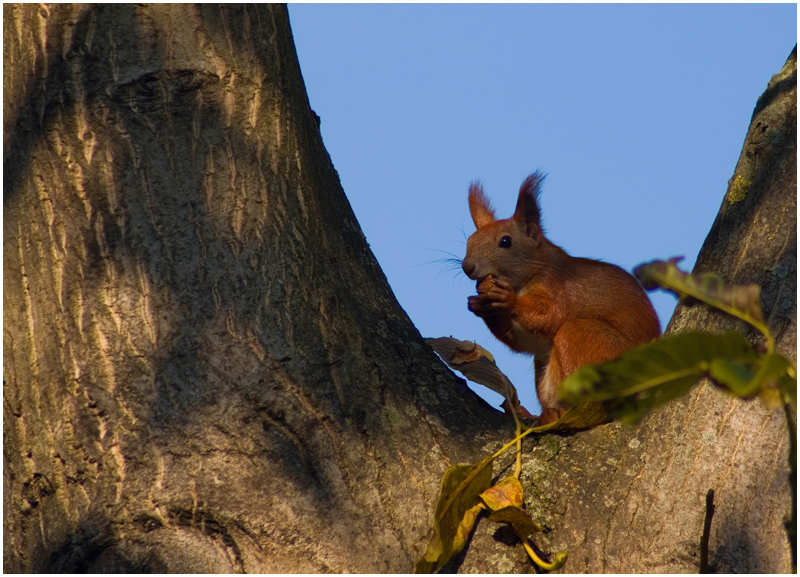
{"points": [[537, 299]]}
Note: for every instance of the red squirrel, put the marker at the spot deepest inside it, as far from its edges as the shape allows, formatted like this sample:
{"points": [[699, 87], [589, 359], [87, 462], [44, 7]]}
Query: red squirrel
{"points": [[537, 299]]}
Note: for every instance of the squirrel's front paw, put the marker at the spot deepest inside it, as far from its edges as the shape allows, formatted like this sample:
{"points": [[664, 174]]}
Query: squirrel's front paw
{"points": [[493, 297], [479, 306]]}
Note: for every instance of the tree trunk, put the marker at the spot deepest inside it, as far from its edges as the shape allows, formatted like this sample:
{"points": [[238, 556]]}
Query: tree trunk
{"points": [[205, 369]]}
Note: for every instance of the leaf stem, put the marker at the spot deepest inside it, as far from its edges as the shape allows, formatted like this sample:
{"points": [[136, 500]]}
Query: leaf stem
{"points": [[648, 384], [518, 465], [511, 443], [558, 562], [517, 428]]}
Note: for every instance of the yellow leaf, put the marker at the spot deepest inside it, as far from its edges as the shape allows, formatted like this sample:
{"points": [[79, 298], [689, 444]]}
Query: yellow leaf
{"points": [[521, 522], [456, 511], [507, 493]]}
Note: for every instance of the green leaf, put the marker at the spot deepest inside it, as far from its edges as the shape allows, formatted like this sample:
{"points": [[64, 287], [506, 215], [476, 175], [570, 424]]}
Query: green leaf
{"points": [[456, 511], [741, 301], [787, 385], [581, 416], [767, 378], [657, 372], [774, 366], [733, 375], [775, 378]]}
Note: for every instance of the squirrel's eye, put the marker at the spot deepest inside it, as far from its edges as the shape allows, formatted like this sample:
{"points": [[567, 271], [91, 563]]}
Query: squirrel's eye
{"points": [[505, 242]]}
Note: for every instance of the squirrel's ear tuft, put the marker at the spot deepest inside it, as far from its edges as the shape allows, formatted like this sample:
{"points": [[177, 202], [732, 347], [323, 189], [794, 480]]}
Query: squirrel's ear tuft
{"points": [[527, 212], [479, 206]]}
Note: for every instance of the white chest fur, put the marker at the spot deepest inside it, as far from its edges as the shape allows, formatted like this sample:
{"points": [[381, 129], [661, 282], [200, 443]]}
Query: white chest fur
{"points": [[527, 342]]}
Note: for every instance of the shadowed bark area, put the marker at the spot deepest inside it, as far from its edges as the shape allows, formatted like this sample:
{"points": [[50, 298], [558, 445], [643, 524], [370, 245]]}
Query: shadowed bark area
{"points": [[206, 371]]}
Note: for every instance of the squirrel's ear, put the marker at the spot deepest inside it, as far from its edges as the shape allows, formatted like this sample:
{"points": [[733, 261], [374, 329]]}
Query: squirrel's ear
{"points": [[479, 206], [527, 212]]}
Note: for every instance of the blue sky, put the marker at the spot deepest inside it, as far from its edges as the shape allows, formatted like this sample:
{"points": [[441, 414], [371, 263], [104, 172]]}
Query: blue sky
{"points": [[636, 112]]}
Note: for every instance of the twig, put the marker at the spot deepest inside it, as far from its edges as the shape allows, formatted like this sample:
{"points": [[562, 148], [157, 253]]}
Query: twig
{"points": [[791, 523], [541, 563], [517, 426], [706, 531]]}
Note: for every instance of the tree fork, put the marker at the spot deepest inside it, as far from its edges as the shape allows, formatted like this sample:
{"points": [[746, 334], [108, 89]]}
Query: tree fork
{"points": [[632, 499], [205, 369]]}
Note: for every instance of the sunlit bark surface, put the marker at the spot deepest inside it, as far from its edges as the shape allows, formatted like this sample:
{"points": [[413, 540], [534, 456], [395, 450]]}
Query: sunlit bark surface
{"points": [[204, 367]]}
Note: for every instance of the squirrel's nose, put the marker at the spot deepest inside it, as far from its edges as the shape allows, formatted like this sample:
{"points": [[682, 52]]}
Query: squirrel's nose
{"points": [[469, 267]]}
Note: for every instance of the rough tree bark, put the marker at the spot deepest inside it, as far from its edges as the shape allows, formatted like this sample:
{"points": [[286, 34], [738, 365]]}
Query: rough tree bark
{"points": [[205, 370]]}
